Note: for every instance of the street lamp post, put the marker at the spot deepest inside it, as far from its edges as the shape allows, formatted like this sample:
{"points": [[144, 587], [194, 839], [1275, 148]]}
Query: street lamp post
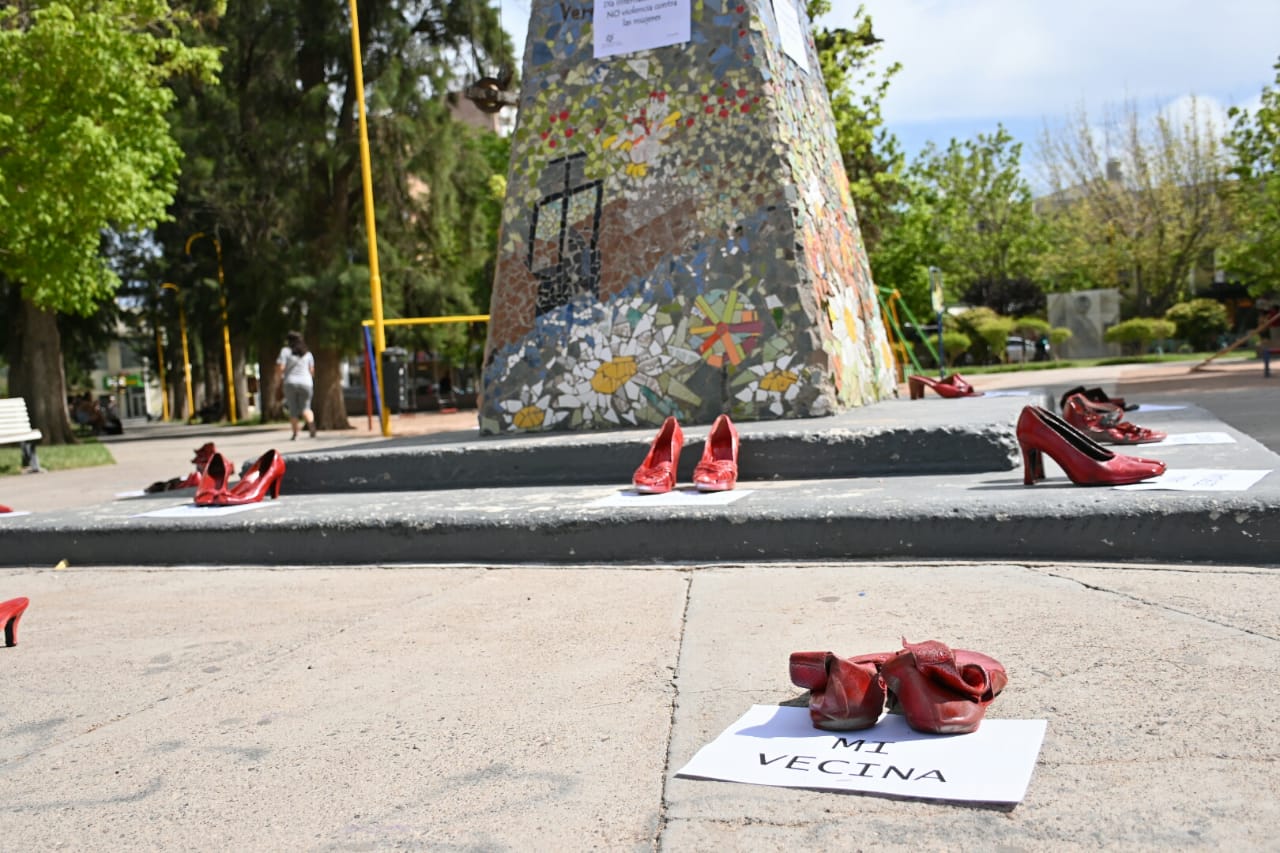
{"points": [[226, 332], [186, 358], [366, 174]]}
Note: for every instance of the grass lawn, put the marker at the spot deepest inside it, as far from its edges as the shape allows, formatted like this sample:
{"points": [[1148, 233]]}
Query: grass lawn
{"points": [[58, 457]]}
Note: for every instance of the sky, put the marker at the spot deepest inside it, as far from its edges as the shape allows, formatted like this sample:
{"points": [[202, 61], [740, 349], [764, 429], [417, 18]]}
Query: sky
{"points": [[970, 65]]}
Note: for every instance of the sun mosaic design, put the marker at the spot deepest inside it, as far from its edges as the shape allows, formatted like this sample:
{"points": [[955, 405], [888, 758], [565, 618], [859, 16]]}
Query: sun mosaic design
{"points": [[631, 364]]}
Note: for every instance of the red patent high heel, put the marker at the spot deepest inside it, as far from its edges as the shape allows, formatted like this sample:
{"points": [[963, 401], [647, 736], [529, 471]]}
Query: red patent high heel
{"points": [[844, 693], [657, 474], [1085, 461], [942, 691], [717, 471], [1105, 423], [259, 481], [213, 480], [952, 386], [10, 612]]}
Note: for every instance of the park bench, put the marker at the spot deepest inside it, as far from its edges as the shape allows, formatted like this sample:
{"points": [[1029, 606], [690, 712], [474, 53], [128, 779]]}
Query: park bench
{"points": [[15, 428]]}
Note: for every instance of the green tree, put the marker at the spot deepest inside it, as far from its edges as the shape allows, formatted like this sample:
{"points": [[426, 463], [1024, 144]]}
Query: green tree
{"points": [[84, 147], [1255, 141], [279, 171], [873, 159], [985, 229], [1134, 204]]}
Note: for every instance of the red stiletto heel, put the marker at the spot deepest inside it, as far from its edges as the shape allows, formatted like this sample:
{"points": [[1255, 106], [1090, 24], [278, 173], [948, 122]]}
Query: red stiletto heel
{"points": [[844, 693], [942, 691], [261, 479], [657, 474], [717, 471], [10, 612], [1085, 461], [213, 480], [952, 386]]}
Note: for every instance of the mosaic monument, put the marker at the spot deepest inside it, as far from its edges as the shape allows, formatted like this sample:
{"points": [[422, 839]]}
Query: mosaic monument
{"points": [[678, 236]]}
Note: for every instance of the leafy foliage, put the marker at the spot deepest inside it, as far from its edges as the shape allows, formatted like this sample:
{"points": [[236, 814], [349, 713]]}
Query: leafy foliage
{"points": [[873, 159], [84, 142], [1255, 142], [1140, 332], [1134, 205], [1199, 322]]}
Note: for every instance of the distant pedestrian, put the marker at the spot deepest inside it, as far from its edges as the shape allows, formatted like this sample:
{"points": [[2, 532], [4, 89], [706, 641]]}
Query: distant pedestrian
{"points": [[295, 369]]}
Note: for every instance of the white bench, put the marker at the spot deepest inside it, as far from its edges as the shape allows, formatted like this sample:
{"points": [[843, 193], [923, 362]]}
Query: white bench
{"points": [[15, 428]]}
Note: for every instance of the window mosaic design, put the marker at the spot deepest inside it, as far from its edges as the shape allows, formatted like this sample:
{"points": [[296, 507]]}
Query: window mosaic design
{"points": [[678, 236]]}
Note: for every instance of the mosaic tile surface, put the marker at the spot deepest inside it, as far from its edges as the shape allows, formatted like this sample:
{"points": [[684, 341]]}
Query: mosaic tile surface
{"points": [[677, 237]]}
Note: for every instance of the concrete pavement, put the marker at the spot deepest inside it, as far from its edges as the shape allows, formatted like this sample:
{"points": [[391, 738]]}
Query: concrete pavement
{"points": [[549, 708]]}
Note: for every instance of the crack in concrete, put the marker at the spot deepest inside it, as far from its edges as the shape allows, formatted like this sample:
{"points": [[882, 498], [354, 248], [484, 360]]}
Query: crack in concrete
{"points": [[663, 819], [1157, 605]]}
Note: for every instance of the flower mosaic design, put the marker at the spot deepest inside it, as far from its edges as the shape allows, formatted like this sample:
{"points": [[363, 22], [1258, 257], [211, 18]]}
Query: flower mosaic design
{"points": [[729, 329], [532, 410], [647, 130], [774, 384], [614, 377]]}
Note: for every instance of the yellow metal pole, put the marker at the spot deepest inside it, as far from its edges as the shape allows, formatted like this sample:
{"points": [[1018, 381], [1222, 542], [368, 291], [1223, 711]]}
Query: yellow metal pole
{"points": [[186, 356], [366, 174], [226, 331], [164, 392]]}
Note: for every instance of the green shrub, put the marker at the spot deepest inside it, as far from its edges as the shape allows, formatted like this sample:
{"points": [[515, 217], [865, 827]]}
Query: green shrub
{"points": [[954, 345], [1199, 322], [1031, 328], [1139, 333], [1059, 335]]}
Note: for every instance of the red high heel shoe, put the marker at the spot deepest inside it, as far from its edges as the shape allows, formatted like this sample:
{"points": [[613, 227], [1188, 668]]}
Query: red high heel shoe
{"points": [[952, 386], [657, 474], [10, 612], [1085, 461], [263, 478], [717, 471], [942, 691], [213, 480], [844, 693], [1106, 423]]}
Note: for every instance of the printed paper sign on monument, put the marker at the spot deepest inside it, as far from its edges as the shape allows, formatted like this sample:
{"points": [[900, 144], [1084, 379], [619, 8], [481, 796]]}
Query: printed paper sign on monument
{"points": [[626, 26]]}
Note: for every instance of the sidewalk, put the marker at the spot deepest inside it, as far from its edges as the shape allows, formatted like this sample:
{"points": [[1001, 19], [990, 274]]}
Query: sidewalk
{"points": [[549, 709]]}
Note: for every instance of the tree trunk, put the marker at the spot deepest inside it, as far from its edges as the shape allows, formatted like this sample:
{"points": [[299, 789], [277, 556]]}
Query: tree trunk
{"points": [[271, 403], [36, 373], [327, 402]]}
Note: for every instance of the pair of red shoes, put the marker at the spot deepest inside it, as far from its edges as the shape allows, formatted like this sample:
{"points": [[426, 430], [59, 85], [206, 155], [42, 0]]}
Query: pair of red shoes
{"points": [[938, 689], [261, 479], [10, 612], [1104, 422], [201, 458], [1085, 462], [717, 471], [952, 386]]}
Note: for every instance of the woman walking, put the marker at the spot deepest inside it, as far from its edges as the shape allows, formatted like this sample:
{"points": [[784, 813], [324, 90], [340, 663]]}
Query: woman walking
{"points": [[295, 368]]}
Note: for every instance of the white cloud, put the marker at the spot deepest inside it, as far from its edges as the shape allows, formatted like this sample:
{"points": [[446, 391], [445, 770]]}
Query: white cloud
{"points": [[1010, 59]]}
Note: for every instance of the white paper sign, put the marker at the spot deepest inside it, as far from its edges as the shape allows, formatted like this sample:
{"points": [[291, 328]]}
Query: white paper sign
{"points": [[772, 745], [791, 32], [193, 511], [1193, 438], [14, 513], [1201, 480], [625, 26], [675, 497], [1159, 407], [1006, 393]]}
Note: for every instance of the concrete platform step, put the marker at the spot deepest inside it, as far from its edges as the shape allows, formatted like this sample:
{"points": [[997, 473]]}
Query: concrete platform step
{"points": [[986, 515]]}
